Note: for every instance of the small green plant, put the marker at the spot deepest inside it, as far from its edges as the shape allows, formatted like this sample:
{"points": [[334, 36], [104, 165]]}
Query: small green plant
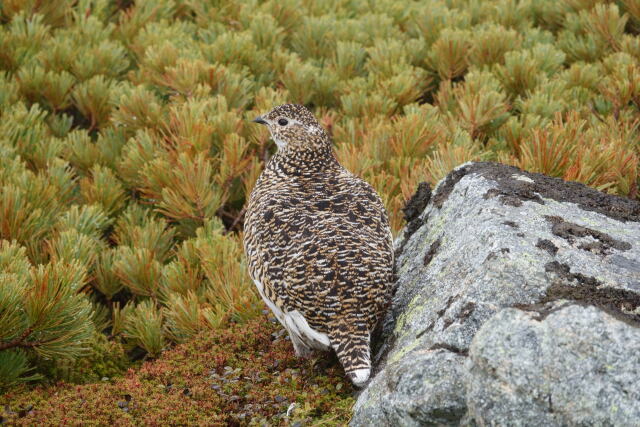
{"points": [[42, 312]]}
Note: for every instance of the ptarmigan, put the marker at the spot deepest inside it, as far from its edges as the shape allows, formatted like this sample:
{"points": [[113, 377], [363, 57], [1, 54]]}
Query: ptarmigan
{"points": [[318, 243]]}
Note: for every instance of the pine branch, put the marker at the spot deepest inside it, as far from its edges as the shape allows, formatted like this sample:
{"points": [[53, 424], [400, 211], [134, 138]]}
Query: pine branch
{"points": [[18, 341], [236, 221]]}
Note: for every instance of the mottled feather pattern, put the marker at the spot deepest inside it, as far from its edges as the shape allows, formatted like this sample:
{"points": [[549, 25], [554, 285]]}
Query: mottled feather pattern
{"points": [[318, 241]]}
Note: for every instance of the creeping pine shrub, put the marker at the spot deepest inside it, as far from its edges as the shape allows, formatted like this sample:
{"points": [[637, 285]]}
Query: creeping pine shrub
{"points": [[126, 153]]}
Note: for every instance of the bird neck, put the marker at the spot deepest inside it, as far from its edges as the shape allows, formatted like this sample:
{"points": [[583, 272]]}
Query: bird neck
{"points": [[305, 161]]}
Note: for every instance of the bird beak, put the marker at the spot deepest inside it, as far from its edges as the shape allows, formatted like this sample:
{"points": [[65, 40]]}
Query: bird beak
{"points": [[259, 120]]}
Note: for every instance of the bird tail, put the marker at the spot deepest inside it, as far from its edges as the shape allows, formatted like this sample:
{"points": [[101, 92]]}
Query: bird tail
{"points": [[352, 348]]}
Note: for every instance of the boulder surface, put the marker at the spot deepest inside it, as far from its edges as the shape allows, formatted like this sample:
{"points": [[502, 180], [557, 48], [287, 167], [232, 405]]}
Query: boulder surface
{"points": [[517, 302]]}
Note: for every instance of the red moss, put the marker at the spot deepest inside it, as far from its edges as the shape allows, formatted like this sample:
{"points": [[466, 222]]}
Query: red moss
{"points": [[231, 376]]}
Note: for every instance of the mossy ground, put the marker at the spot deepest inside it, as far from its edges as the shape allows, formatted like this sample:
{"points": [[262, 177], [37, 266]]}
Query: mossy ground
{"points": [[246, 374]]}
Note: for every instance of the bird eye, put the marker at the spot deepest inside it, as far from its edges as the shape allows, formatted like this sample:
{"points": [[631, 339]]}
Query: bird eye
{"points": [[283, 122]]}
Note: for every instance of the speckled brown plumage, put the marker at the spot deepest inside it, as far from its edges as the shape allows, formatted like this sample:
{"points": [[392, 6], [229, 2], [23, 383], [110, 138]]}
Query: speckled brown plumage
{"points": [[318, 243]]}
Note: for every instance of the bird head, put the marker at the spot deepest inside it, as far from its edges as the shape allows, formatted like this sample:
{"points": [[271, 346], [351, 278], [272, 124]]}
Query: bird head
{"points": [[294, 128]]}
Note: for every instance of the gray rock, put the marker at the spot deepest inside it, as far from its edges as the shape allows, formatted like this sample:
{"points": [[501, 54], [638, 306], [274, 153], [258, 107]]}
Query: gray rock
{"points": [[417, 398], [576, 366], [494, 239]]}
